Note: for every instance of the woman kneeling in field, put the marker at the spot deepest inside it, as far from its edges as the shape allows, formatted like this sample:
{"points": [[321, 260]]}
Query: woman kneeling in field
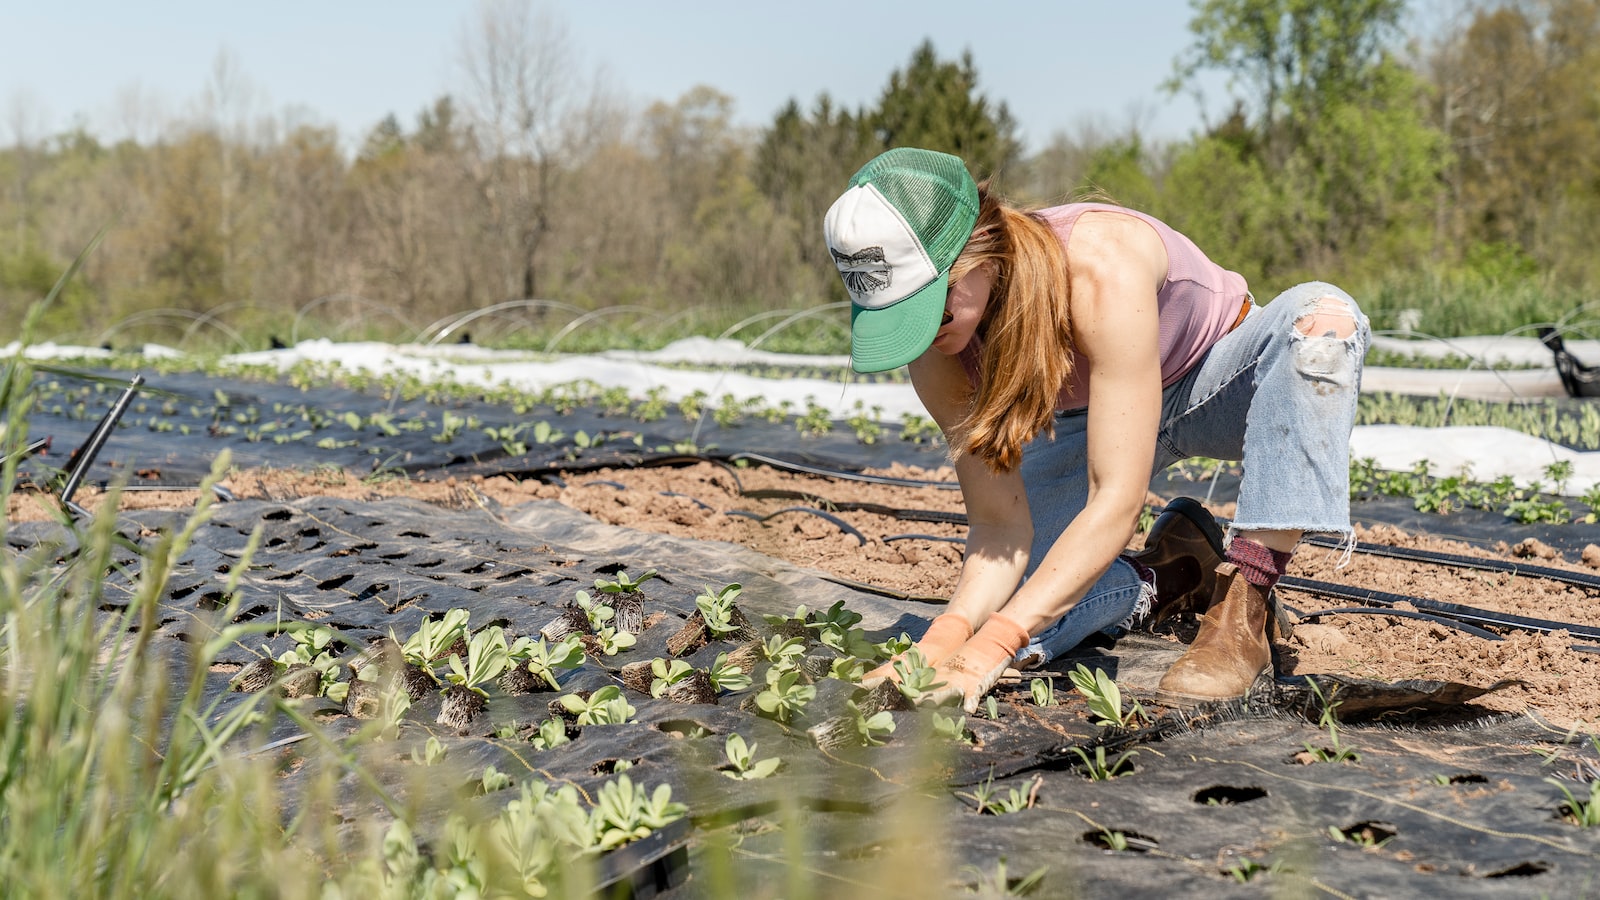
{"points": [[1068, 354]]}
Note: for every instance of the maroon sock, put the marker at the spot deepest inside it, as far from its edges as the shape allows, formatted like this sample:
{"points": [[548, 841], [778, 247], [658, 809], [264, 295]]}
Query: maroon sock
{"points": [[1261, 566]]}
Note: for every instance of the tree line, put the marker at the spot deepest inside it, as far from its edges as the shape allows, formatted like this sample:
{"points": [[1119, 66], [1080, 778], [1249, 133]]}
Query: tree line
{"points": [[1412, 169]]}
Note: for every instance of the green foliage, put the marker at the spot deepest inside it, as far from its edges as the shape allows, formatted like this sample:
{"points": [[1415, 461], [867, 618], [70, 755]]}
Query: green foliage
{"points": [[935, 104], [1104, 698], [667, 673], [726, 676], [605, 706], [623, 584], [717, 609], [432, 639], [742, 762], [916, 679], [1584, 813], [543, 659], [1096, 767], [1043, 691], [785, 695], [1328, 719], [431, 753], [487, 658], [990, 801]]}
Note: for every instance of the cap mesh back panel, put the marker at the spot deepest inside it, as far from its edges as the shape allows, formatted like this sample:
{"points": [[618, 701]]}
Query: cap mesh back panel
{"points": [[929, 193]]}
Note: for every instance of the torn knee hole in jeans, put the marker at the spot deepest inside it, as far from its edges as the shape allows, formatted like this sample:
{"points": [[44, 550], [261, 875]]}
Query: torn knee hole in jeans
{"points": [[1324, 351], [1331, 318]]}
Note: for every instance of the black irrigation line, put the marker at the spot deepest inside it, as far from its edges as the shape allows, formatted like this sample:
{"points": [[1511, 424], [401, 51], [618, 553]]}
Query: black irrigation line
{"points": [[1469, 614], [891, 538], [841, 524], [907, 515], [1447, 622], [805, 469], [1579, 579]]}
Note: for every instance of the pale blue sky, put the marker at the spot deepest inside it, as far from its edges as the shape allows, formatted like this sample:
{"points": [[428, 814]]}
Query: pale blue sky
{"points": [[350, 62]]}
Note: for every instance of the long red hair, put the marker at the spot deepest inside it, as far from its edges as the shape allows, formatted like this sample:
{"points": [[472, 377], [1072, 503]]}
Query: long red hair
{"points": [[1026, 331]]}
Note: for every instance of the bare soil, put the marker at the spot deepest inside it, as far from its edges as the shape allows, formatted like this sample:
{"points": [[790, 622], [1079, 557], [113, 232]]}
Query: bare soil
{"points": [[715, 502]]}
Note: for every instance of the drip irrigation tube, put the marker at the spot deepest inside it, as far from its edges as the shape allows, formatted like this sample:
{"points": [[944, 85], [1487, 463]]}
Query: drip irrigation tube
{"points": [[1580, 579], [805, 469], [877, 509], [889, 539], [1482, 617], [841, 524], [1447, 622]]}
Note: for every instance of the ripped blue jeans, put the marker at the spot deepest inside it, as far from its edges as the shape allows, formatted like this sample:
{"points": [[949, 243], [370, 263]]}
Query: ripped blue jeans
{"points": [[1278, 400]]}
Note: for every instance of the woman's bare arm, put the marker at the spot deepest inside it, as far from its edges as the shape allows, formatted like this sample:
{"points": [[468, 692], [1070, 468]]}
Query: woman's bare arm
{"points": [[1000, 529]]}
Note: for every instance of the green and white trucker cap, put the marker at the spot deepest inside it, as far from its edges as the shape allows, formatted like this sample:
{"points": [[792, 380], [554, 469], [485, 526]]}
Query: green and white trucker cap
{"points": [[894, 234]]}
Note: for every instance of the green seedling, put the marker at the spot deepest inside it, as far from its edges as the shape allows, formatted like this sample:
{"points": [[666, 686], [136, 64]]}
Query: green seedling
{"points": [[667, 673], [726, 676], [487, 658], [1329, 719], [952, 728], [1096, 767], [836, 628], [917, 678], [991, 706], [1584, 813], [432, 639], [779, 650], [1365, 838], [1104, 698], [623, 584], [1001, 885], [450, 426], [1247, 868], [598, 612], [716, 609], [990, 801], [870, 730], [785, 696], [613, 641], [431, 754], [552, 733], [606, 706], [894, 646], [544, 659], [623, 813], [1043, 691], [742, 762], [1115, 841], [493, 780], [509, 438], [848, 668]]}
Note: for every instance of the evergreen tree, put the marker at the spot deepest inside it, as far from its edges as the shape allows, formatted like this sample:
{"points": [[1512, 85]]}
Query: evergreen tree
{"points": [[936, 105]]}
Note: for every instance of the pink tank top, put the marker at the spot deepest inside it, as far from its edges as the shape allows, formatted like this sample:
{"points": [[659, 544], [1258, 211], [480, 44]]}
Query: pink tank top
{"points": [[1198, 304]]}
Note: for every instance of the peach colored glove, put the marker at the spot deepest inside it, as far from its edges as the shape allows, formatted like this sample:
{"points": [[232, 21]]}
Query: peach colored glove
{"points": [[975, 668], [945, 635]]}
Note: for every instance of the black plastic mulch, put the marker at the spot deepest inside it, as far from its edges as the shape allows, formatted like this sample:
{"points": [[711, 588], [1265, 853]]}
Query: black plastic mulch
{"points": [[265, 424], [1442, 800]]}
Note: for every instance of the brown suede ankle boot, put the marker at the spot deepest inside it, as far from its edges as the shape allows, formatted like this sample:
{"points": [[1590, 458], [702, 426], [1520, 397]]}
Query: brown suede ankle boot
{"points": [[1230, 651], [1184, 548]]}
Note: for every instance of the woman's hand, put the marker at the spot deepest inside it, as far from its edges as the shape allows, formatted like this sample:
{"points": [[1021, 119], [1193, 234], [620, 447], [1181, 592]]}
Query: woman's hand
{"points": [[980, 662]]}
